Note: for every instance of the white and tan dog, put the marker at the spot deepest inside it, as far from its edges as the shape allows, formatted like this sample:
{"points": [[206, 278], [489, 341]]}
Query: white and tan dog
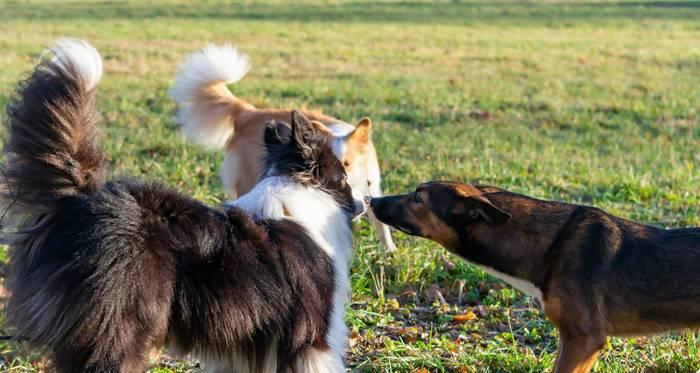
{"points": [[210, 115]]}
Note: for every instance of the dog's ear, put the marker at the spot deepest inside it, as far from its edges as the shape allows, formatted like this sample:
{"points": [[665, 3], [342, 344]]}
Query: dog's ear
{"points": [[301, 126], [476, 207], [363, 131], [303, 133], [278, 133]]}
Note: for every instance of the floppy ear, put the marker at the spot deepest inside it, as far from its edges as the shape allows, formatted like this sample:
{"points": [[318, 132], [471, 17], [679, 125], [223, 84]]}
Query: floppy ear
{"points": [[363, 131], [302, 134], [476, 207]]}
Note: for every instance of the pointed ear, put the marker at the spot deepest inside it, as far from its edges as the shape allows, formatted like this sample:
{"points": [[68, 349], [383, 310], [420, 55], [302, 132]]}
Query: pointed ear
{"points": [[302, 134], [301, 127], [479, 207], [278, 133], [363, 131]]}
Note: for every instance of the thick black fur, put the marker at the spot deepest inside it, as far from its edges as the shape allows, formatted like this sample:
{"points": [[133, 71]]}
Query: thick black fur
{"points": [[102, 273], [303, 151]]}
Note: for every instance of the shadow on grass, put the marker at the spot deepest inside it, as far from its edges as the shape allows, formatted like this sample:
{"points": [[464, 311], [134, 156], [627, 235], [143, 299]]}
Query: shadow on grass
{"points": [[454, 12]]}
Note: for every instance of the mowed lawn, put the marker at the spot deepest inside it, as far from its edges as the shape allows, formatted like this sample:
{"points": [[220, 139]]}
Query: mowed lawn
{"points": [[587, 102]]}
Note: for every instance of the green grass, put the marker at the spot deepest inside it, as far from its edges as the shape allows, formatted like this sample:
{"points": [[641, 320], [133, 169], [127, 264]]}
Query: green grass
{"points": [[588, 102]]}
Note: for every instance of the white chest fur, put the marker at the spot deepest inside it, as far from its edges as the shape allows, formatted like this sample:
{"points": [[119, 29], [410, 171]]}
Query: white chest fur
{"points": [[281, 198], [525, 286]]}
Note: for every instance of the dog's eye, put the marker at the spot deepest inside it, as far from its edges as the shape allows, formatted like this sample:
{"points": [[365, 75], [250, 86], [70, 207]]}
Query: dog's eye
{"points": [[416, 198], [346, 163]]}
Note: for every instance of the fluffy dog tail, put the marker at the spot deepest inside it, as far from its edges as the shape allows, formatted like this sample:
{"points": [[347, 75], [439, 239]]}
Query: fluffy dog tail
{"points": [[208, 109], [83, 281], [52, 152]]}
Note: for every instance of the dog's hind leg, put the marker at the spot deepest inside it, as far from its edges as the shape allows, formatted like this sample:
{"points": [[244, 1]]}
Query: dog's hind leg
{"points": [[116, 331], [577, 354], [74, 359], [128, 355]]}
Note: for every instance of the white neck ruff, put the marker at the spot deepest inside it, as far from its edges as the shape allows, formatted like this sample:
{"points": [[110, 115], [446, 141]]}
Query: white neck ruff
{"points": [[279, 197]]}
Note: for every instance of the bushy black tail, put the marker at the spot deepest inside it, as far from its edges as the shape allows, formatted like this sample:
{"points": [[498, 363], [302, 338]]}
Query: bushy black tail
{"points": [[51, 150], [81, 273]]}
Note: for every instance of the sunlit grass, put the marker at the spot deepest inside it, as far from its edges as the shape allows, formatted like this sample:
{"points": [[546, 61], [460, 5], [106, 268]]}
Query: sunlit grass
{"points": [[586, 102]]}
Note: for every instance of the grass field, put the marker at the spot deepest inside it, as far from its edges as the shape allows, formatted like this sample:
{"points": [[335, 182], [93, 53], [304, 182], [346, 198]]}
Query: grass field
{"points": [[591, 102]]}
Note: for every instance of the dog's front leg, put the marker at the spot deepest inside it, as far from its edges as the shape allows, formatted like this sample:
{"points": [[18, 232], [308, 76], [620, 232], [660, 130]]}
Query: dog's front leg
{"points": [[578, 353], [383, 232]]}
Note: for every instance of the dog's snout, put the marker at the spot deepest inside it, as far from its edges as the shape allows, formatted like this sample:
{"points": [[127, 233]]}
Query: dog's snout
{"points": [[375, 202]]}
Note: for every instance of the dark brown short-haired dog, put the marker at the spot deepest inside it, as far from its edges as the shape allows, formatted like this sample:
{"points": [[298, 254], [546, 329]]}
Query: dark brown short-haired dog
{"points": [[594, 274]]}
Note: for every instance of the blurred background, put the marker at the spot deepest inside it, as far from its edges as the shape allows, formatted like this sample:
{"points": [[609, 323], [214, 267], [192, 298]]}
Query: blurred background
{"points": [[592, 102]]}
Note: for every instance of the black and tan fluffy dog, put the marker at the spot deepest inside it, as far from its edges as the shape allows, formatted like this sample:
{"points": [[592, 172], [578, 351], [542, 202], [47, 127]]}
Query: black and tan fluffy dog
{"points": [[102, 272], [594, 274]]}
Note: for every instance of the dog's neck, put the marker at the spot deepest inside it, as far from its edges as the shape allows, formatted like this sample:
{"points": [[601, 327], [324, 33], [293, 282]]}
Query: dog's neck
{"points": [[522, 247], [280, 197]]}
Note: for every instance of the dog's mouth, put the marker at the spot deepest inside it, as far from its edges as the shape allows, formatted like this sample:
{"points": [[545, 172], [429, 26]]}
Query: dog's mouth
{"points": [[409, 229]]}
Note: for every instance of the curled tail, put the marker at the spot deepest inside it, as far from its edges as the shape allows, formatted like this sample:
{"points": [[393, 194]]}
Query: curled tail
{"points": [[51, 150], [208, 109]]}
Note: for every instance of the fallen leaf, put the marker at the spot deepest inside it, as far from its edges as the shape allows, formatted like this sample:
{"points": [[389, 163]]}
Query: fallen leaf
{"points": [[463, 318], [354, 338], [392, 304], [409, 334], [407, 330]]}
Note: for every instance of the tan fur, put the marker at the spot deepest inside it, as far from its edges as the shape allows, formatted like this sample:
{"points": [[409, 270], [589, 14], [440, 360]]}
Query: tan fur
{"points": [[247, 144], [360, 149], [431, 225], [217, 100], [212, 116]]}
